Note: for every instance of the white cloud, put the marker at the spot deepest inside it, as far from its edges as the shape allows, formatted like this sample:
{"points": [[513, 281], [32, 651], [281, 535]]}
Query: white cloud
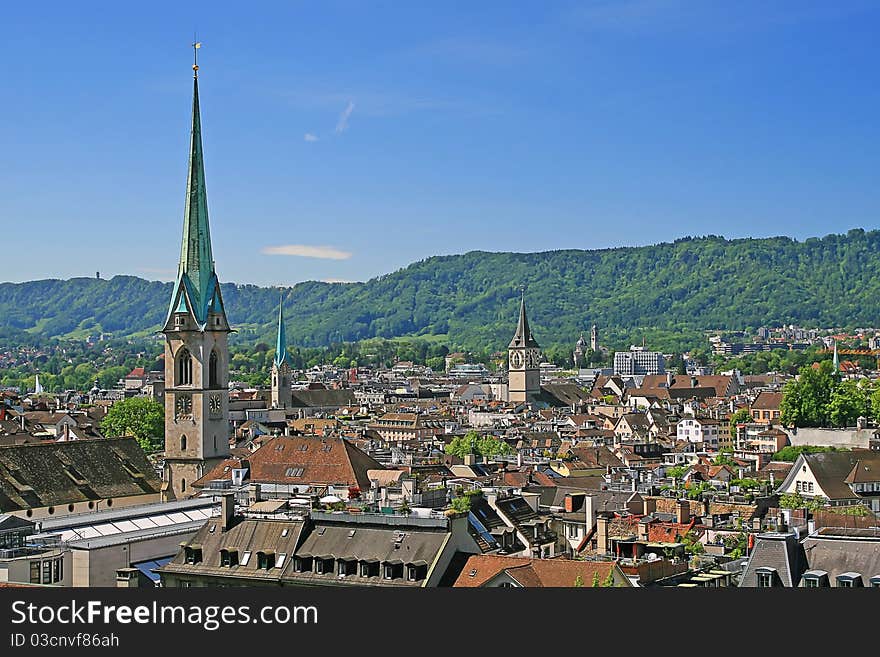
{"points": [[305, 251], [310, 137], [342, 124]]}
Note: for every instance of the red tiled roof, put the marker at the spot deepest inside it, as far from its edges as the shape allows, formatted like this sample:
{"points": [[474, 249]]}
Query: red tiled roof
{"points": [[537, 573]]}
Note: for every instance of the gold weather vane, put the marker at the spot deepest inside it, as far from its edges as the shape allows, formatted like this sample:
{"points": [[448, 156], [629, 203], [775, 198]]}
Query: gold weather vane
{"points": [[196, 45]]}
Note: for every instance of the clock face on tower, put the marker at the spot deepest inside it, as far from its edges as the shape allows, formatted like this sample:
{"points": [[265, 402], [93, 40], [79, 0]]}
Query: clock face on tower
{"points": [[214, 403], [516, 360], [532, 360], [184, 406]]}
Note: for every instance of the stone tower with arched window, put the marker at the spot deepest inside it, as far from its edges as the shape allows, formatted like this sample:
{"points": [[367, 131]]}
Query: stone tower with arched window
{"points": [[196, 347]]}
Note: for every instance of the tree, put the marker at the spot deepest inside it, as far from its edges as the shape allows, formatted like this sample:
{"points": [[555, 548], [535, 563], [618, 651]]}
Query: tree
{"points": [[141, 417], [848, 401], [578, 581], [791, 452], [609, 579], [741, 416], [473, 443], [805, 400], [595, 582], [692, 544]]}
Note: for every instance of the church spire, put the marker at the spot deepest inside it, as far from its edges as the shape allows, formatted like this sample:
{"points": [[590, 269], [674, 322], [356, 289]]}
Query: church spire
{"points": [[523, 336], [281, 344], [835, 361], [195, 272]]}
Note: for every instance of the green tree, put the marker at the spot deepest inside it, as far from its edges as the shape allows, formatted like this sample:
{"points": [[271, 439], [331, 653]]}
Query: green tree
{"points": [[595, 582], [473, 443], [141, 417], [791, 452], [849, 400], [741, 416], [609, 579], [578, 581], [805, 400]]}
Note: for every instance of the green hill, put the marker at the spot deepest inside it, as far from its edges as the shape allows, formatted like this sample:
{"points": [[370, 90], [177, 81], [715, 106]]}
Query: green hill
{"points": [[697, 283]]}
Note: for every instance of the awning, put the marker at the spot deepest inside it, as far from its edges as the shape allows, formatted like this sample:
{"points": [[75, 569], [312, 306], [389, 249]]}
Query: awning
{"points": [[146, 567]]}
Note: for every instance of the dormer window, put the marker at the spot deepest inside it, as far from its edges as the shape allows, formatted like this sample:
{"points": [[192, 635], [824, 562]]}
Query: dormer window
{"points": [[193, 554], [849, 580]]}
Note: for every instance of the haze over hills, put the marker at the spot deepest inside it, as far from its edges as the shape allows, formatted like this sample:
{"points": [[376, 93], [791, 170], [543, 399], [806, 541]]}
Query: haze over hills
{"points": [[472, 299]]}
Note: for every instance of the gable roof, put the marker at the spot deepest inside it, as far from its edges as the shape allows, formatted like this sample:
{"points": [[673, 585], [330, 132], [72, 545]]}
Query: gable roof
{"points": [[767, 400], [46, 474], [322, 460], [533, 573]]}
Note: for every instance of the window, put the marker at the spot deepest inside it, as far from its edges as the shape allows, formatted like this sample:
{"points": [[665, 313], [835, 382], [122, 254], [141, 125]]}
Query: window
{"points": [[811, 582], [293, 472], [326, 447], [279, 562], [213, 377], [227, 558], [47, 572], [182, 485], [766, 578], [35, 572], [319, 566], [245, 558], [849, 580], [265, 560], [184, 367], [303, 447], [183, 443], [875, 582], [193, 555], [58, 573]]}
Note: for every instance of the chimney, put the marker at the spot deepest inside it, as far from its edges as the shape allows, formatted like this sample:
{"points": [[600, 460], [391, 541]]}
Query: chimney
{"points": [[227, 510], [694, 382], [602, 523], [127, 578], [66, 431], [649, 506], [669, 379], [519, 459], [683, 512]]}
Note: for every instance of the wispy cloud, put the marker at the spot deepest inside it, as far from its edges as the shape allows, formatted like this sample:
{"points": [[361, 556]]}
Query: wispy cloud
{"points": [[306, 251], [163, 274], [310, 137], [342, 123]]}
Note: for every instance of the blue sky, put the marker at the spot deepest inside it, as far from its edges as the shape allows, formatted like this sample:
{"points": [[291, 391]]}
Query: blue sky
{"points": [[375, 134]]}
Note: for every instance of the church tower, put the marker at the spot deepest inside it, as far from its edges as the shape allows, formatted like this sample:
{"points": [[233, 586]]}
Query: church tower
{"points": [[282, 396], [196, 349], [524, 358]]}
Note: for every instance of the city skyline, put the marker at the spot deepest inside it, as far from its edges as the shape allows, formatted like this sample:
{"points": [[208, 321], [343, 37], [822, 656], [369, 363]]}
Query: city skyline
{"points": [[338, 153]]}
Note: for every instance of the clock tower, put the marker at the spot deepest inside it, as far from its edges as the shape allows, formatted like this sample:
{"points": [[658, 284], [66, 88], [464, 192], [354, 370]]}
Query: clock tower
{"points": [[524, 359], [196, 349]]}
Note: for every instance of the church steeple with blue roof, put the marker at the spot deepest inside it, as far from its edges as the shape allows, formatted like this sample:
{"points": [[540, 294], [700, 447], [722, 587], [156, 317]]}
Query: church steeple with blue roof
{"points": [[197, 289]]}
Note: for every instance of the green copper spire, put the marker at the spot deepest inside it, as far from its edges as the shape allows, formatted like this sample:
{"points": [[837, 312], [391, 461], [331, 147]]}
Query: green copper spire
{"points": [[195, 272], [281, 344]]}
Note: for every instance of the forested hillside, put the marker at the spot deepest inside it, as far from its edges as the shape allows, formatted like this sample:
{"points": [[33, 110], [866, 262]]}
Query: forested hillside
{"points": [[698, 283]]}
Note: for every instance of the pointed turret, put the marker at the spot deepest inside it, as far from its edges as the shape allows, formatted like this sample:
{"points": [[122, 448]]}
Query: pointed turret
{"points": [[835, 361], [197, 289], [281, 344], [523, 336]]}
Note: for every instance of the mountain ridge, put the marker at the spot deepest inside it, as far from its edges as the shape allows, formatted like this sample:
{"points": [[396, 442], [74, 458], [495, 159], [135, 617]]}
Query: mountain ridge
{"points": [[703, 283]]}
